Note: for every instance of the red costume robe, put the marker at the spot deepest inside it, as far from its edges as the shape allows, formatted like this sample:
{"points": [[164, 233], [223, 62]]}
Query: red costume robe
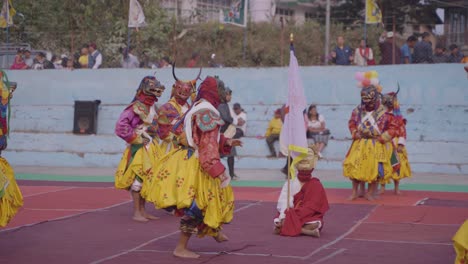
{"points": [[310, 204]]}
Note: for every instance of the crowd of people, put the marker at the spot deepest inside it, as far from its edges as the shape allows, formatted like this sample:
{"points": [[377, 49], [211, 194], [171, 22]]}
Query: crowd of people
{"points": [[412, 51], [89, 57]]}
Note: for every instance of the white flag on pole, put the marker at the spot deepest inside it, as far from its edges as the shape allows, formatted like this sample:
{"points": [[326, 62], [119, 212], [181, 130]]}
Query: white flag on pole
{"points": [[136, 17]]}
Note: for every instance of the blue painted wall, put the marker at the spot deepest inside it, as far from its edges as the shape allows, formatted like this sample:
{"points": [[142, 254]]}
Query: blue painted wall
{"points": [[434, 99]]}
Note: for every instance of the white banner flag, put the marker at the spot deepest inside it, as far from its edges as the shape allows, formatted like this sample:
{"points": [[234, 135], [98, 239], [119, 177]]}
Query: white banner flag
{"points": [[136, 17]]}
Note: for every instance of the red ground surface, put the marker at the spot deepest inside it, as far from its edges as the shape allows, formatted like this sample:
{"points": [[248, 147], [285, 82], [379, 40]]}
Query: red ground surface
{"points": [[90, 223]]}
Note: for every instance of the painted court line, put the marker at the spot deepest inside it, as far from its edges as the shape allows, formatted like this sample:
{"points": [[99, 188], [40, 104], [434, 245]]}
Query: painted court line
{"points": [[223, 253], [337, 252], [66, 210], [156, 239], [342, 236], [412, 223], [66, 217], [420, 202], [401, 242], [54, 191]]}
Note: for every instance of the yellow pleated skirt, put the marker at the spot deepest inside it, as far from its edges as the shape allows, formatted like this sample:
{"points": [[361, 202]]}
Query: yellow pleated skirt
{"points": [[405, 169], [137, 162], [11, 198], [179, 180], [460, 243], [363, 158]]}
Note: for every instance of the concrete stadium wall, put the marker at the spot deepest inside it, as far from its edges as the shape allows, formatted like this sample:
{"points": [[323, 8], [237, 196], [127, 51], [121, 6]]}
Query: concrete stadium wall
{"points": [[434, 98]]}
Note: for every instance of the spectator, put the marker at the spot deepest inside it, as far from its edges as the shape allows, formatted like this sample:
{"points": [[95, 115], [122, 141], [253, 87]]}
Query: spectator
{"points": [[76, 61], [455, 55], [423, 50], [316, 129], [229, 129], [84, 57], [273, 132], [239, 114], [95, 57], [194, 60], [42, 63], [145, 60], [70, 65], [164, 63], [386, 41], [18, 63], [27, 58], [363, 55], [439, 55], [342, 54], [406, 56], [57, 62], [129, 61]]}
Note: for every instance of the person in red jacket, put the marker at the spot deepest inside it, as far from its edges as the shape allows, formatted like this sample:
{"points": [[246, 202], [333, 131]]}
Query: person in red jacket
{"points": [[399, 158], [308, 202], [372, 129]]}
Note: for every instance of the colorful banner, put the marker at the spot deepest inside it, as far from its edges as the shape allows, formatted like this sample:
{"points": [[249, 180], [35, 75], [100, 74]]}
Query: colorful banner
{"points": [[236, 14], [293, 140], [6, 15], [136, 17], [373, 12]]}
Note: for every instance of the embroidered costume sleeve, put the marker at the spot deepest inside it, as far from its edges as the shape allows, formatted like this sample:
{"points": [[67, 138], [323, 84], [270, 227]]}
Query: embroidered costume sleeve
{"points": [[125, 127], [167, 117], [152, 129], [388, 126], [209, 142], [353, 122], [402, 131]]}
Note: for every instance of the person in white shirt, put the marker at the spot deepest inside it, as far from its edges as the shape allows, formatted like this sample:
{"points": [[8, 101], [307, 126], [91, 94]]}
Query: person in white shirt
{"points": [[95, 57], [129, 61], [363, 55], [316, 129], [239, 114]]}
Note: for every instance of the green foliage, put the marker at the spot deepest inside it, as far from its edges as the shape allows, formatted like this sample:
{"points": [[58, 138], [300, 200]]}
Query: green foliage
{"points": [[64, 26]]}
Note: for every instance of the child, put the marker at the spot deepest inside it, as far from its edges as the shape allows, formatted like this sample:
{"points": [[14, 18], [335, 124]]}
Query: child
{"points": [[273, 132]]}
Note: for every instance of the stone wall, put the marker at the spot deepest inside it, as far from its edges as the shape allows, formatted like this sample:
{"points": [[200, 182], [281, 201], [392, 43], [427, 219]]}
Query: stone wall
{"points": [[434, 99]]}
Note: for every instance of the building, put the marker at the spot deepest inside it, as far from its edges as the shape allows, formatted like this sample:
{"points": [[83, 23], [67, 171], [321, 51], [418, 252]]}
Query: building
{"points": [[455, 22], [194, 11]]}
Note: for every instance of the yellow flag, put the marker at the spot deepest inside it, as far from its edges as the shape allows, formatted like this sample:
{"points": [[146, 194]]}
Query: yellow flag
{"points": [[373, 13], [6, 15]]}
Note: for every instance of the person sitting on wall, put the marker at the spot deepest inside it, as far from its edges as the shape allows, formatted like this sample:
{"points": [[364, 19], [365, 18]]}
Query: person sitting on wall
{"points": [[308, 201], [316, 129]]}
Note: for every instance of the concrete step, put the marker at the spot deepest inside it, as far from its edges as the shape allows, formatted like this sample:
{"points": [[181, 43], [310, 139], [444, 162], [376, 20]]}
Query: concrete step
{"points": [[421, 120], [111, 160], [420, 152]]}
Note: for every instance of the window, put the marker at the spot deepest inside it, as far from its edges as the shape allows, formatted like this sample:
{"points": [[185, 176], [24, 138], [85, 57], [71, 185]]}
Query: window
{"points": [[309, 16], [209, 9], [284, 12], [457, 26]]}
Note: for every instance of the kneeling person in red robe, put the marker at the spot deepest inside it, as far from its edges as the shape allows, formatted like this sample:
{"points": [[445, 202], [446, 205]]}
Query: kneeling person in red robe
{"points": [[308, 202]]}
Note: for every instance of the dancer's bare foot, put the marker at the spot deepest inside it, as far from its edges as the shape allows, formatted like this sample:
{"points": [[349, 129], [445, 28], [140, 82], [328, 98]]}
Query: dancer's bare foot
{"points": [[150, 217], [221, 237], [312, 233], [277, 230], [352, 197], [185, 253], [398, 192], [139, 218], [369, 197], [381, 191]]}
